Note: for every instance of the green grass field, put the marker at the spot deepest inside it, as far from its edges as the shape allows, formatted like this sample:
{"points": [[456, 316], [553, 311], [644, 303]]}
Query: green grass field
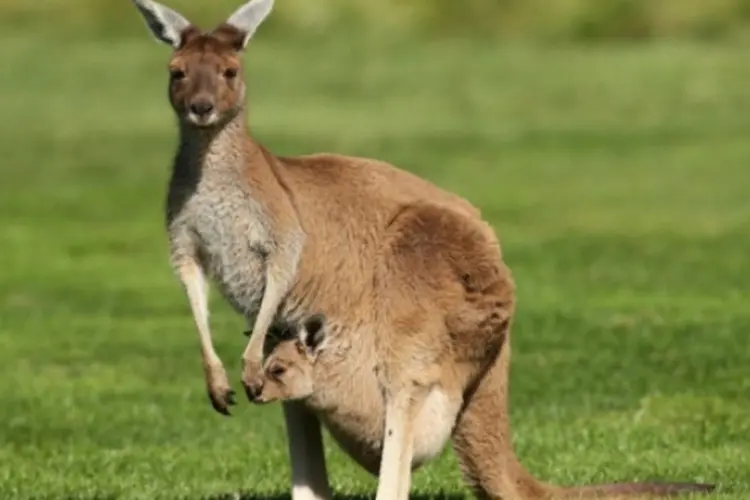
{"points": [[616, 177]]}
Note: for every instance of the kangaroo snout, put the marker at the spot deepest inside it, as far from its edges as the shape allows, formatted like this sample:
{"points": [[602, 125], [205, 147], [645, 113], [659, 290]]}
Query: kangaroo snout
{"points": [[201, 106]]}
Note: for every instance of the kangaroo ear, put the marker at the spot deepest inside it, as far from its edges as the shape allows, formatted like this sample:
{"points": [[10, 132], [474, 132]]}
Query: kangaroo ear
{"points": [[165, 24], [247, 18]]}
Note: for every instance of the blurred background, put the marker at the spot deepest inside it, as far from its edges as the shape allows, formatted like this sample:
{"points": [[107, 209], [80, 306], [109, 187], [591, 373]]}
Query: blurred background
{"points": [[605, 140], [506, 19]]}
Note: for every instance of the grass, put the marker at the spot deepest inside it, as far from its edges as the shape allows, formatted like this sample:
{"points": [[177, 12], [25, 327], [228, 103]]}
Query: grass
{"points": [[617, 179]]}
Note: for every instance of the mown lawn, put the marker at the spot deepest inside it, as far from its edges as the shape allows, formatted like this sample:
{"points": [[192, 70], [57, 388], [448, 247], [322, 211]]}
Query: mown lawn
{"points": [[617, 178]]}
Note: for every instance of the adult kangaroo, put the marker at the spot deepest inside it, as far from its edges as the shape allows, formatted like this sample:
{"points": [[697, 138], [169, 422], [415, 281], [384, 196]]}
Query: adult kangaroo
{"points": [[417, 300]]}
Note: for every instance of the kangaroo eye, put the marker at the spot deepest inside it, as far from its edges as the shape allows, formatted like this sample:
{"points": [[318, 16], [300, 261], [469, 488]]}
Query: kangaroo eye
{"points": [[176, 74], [230, 73], [277, 371]]}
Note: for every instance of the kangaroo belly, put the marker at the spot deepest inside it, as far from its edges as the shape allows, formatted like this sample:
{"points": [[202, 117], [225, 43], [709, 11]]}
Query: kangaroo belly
{"points": [[350, 404], [434, 425], [360, 435]]}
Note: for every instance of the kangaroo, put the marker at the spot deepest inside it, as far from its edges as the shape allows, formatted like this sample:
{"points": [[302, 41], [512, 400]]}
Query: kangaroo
{"points": [[411, 280]]}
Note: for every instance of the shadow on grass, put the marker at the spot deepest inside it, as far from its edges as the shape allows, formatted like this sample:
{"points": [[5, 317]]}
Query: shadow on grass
{"points": [[287, 496], [336, 496], [254, 496], [419, 496]]}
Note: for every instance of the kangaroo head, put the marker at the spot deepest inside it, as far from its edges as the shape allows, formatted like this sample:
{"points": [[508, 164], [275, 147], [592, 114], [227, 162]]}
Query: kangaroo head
{"points": [[288, 371], [206, 87]]}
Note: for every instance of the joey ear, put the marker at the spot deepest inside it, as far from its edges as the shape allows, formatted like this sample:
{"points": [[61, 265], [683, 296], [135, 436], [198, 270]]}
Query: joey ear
{"points": [[314, 331], [167, 25], [247, 18]]}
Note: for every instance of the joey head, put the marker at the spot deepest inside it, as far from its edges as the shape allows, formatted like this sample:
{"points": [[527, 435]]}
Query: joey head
{"points": [[288, 369]]}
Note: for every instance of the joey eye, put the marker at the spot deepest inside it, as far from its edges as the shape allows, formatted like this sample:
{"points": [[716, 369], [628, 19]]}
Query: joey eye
{"points": [[277, 371], [176, 74], [230, 73]]}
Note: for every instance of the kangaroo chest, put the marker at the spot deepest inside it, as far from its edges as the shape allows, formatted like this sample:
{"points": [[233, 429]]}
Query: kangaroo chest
{"points": [[231, 238]]}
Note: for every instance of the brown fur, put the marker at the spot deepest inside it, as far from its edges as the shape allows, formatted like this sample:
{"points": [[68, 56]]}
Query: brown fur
{"points": [[418, 300]]}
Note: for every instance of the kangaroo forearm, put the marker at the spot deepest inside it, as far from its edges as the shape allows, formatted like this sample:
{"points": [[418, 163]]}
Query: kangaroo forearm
{"points": [[193, 278], [196, 287], [278, 284]]}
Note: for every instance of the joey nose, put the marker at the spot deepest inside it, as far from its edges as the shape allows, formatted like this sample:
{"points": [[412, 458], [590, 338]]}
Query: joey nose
{"points": [[201, 107], [253, 389]]}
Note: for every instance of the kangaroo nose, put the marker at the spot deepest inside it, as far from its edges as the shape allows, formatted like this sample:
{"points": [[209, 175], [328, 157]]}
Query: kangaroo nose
{"points": [[201, 107]]}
